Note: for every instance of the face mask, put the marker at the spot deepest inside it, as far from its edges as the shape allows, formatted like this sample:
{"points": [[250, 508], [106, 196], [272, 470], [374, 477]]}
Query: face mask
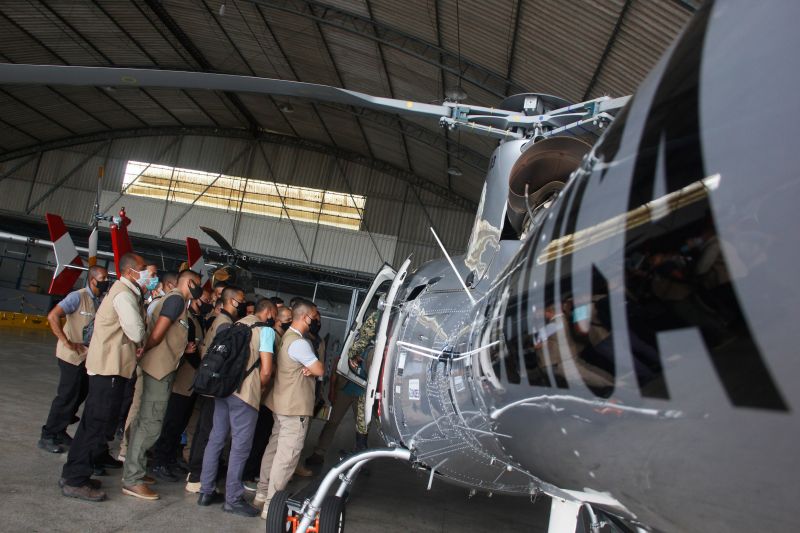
{"points": [[195, 292], [285, 325], [103, 286], [241, 310], [152, 283], [205, 308], [314, 327]]}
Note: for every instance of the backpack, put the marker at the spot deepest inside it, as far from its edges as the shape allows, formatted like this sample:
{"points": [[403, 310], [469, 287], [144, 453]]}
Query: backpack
{"points": [[222, 370]]}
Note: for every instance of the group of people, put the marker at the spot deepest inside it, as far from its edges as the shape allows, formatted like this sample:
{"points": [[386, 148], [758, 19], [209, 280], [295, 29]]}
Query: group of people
{"points": [[150, 336]]}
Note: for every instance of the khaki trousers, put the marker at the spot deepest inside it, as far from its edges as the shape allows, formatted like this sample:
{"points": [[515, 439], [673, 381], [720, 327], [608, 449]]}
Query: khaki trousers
{"points": [[132, 413], [146, 427], [282, 453]]}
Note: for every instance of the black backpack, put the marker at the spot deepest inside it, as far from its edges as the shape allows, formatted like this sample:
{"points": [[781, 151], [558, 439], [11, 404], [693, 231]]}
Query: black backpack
{"points": [[222, 370]]}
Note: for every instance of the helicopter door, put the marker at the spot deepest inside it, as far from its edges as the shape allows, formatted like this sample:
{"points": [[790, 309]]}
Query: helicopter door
{"points": [[380, 342], [385, 274]]}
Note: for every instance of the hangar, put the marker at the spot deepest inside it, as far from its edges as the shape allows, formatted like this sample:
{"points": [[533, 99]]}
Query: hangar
{"points": [[311, 196]]}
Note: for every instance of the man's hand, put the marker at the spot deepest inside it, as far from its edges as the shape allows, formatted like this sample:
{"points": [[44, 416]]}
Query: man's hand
{"points": [[139, 353], [78, 347], [354, 362], [306, 372], [191, 347]]}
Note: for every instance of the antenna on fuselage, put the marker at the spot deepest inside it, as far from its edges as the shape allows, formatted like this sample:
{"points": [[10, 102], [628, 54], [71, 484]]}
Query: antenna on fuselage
{"points": [[453, 266]]}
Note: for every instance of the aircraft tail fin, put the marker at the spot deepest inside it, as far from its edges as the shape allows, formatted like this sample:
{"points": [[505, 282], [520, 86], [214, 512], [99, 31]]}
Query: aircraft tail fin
{"points": [[66, 254], [197, 261]]}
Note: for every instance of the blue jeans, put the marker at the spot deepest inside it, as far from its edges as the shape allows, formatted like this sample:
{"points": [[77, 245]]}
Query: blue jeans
{"points": [[232, 415]]}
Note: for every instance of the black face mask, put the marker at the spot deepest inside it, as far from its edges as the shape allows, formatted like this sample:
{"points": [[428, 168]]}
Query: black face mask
{"points": [[196, 292], [103, 286], [285, 325], [205, 308], [241, 310], [314, 327]]}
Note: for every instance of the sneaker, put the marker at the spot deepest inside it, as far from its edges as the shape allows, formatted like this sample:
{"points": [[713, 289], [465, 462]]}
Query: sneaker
{"points": [[164, 474], [303, 471], [250, 486], [84, 492], [120, 458], [141, 491], [192, 487], [64, 439], [148, 480], [315, 459], [50, 445], [205, 499], [260, 499], [241, 508], [93, 483], [265, 510]]}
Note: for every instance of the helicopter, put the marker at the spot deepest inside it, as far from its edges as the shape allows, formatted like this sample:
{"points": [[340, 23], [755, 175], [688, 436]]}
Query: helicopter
{"points": [[627, 352]]}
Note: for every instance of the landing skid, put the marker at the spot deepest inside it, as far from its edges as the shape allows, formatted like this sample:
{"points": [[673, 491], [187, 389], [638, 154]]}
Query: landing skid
{"points": [[323, 513]]}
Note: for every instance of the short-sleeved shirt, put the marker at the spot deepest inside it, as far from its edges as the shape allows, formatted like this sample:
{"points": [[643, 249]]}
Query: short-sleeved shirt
{"points": [[267, 340], [72, 302], [302, 352], [173, 307]]}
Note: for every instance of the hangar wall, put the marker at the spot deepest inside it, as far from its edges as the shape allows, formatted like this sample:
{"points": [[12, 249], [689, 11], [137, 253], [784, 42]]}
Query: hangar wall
{"points": [[396, 219]]}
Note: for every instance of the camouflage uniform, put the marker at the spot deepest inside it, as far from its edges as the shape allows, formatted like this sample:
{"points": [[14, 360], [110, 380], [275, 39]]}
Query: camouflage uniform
{"points": [[362, 346]]}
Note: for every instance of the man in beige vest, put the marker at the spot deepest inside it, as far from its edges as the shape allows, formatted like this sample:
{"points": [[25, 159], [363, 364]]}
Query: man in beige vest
{"points": [[237, 414], [166, 344], [252, 468], [119, 331], [79, 308], [182, 399], [291, 401], [232, 310]]}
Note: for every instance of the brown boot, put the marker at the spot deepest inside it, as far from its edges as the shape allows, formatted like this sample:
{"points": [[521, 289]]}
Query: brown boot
{"points": [[84, 492], [140, 490], [302, 471]]}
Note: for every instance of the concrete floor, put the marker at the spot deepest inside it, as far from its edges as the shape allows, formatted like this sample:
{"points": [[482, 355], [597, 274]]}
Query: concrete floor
{"points": [[392, 499]]}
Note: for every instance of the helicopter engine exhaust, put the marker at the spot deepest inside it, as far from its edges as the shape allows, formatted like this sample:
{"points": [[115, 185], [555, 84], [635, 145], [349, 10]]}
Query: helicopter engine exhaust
{"points": [[544, 168]]}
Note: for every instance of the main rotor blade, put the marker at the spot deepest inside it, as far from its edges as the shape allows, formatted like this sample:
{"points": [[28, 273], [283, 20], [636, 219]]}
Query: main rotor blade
{"points": [[219, 239], [135, 77]]}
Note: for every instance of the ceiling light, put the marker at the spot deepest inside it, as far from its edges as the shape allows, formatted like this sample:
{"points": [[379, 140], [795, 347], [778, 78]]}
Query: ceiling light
{"points": [[454, 171]]}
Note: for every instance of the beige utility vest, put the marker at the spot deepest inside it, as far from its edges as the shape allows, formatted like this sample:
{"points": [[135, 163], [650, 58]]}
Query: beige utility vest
{"points": [[250, 391], [292, 393], [73, 328], [185, 376], [111, 352], [164, 358], [221, 319]]}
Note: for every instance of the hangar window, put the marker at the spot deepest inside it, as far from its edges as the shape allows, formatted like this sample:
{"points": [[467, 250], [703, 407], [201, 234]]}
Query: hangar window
{"points": [[256, 197]]}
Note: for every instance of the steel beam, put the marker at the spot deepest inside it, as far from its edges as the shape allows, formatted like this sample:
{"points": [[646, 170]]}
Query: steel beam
{"points": [[456, 199], [67, 176], [611, 40], [425, 51]]}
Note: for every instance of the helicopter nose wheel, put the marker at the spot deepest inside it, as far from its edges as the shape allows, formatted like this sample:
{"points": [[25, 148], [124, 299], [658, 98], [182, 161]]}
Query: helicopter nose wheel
{"points": [[331, 515]]}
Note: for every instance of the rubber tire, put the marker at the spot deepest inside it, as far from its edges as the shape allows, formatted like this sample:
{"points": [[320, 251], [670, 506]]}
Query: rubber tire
{"points": [[278, 512], [332, 515]]}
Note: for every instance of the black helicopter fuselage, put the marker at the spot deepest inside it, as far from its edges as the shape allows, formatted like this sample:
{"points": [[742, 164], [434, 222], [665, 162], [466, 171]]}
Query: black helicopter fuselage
{"points": [[638, 343]]}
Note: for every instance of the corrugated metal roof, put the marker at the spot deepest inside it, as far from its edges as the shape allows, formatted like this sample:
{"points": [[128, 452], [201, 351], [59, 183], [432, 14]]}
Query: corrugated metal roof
{"points": [[380, 47]]}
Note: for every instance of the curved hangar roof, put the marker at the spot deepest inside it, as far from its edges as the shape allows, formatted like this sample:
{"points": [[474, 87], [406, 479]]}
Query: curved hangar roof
{"points": [[412, 49]]}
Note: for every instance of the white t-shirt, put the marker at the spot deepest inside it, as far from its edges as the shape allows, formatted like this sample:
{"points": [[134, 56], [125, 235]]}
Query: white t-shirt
{"points": [[302, 351]]}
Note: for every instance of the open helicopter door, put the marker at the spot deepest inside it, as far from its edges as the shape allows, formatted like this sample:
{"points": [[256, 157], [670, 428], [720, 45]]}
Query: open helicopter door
{"points": [[386, 273], [375, 368]]}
